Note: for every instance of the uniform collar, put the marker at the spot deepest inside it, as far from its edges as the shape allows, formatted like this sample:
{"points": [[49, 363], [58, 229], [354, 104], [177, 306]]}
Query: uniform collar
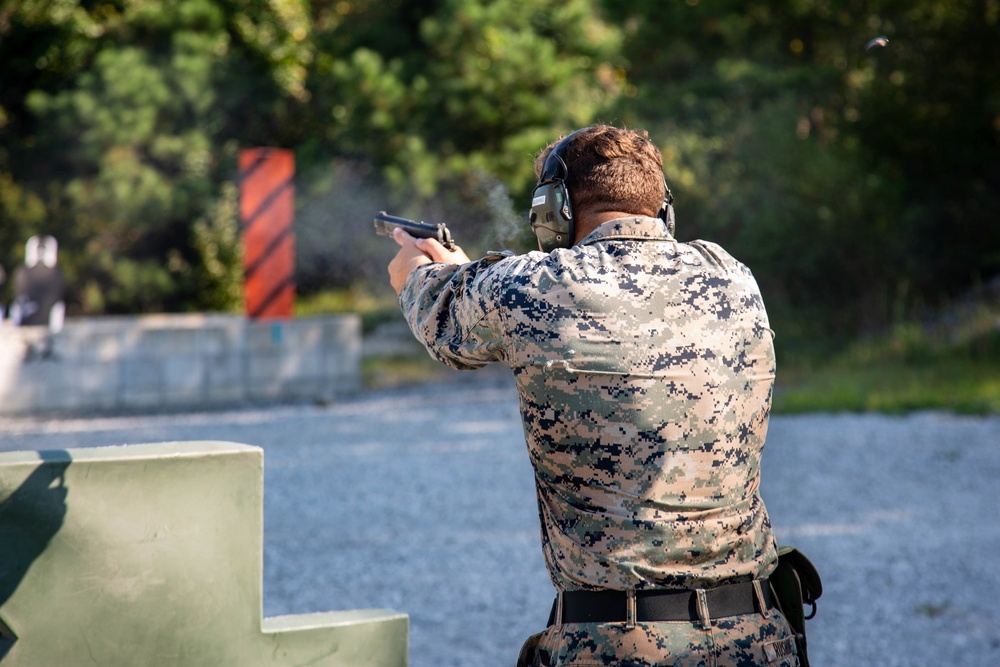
{"points": [[636, 227]]}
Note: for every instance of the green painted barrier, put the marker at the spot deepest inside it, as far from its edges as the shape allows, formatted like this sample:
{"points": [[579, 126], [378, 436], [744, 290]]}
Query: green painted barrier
{"points": [[150, 555]]}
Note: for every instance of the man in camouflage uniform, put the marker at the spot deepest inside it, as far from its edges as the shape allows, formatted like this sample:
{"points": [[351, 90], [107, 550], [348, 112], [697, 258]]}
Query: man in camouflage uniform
{"points": [[644, 368]]}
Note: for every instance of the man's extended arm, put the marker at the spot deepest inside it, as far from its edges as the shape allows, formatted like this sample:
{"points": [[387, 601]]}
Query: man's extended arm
{"points": [[451, 307]]}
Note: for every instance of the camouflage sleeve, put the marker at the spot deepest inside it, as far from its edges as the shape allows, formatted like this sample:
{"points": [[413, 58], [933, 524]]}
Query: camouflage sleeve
{"points": [[452, 311]]}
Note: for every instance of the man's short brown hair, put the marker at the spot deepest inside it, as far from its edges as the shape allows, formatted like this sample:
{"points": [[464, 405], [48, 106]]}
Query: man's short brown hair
{"points": [[612, 169]]}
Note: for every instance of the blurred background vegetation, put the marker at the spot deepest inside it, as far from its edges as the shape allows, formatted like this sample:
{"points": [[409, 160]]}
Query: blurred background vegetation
{"points": [[861, 186]]}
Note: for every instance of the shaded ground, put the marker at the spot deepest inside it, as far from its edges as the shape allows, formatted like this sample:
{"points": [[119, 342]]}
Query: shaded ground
{"points": [[421, 500]]}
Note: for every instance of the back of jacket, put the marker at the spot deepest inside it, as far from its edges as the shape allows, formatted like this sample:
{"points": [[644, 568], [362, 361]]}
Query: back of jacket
{"points": [[644, 368]]}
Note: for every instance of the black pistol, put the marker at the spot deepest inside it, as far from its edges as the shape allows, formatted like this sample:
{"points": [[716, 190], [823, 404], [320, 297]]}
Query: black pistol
{"points": [[385, 223]]}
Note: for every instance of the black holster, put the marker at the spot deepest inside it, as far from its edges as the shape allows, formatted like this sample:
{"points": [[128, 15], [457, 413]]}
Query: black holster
{"points": [[795, 584]]}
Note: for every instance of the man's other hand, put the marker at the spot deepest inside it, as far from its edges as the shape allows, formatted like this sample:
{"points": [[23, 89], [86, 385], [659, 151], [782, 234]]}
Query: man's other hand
{"points": [[416, 252]]}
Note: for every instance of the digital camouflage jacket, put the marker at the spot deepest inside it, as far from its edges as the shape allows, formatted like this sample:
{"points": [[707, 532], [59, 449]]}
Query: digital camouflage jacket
{"points": [[644, 368]]}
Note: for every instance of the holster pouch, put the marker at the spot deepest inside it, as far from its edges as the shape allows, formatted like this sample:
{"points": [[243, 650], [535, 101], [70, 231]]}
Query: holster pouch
{"points": [[796, 583]]}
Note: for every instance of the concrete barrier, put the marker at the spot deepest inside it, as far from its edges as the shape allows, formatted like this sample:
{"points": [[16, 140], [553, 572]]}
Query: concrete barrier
{"points": [[176, 361], [152, 555]]}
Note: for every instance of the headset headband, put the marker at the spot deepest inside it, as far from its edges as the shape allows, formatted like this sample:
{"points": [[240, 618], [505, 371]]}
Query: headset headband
{"points": [[555, 162]]}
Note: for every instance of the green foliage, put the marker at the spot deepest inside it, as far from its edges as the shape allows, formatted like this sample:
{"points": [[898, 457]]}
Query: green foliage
{"points": [[889, 387], [21, 216], [861, 187], [218, 270], [437, 108], [931, 108], [904, 371], [949, 361], [834, 172], [129, 144], [139, 163], [124, 118], [375, 307], [795, 208], [479, 87]]}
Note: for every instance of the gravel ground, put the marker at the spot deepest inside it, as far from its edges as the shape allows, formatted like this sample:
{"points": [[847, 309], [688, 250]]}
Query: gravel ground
{"points": [[421, 500]]}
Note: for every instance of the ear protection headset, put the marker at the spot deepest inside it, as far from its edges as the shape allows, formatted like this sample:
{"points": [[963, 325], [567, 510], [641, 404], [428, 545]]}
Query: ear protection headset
{"points": [[551, 214]]}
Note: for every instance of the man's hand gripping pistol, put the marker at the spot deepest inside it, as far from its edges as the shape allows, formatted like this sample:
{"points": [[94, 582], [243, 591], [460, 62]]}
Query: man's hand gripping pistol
{"points": [[385, 223]]}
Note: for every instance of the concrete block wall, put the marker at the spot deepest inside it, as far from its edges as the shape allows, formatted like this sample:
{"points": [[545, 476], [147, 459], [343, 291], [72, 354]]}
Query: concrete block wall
{"points": [[176, 361], [152, 556]]}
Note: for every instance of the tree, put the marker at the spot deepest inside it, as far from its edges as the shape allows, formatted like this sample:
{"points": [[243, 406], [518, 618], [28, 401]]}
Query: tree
{"points": [[784, 139], [123, 118], [460, 85], [131, 131], [447, 102], [830, 169]]}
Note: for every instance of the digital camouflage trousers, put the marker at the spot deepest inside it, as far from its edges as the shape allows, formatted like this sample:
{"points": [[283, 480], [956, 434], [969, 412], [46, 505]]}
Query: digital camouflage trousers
{"points": [[748, 640]]}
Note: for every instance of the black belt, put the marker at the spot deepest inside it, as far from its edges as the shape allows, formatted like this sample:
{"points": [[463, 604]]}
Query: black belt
{"points": [[660, 604]]}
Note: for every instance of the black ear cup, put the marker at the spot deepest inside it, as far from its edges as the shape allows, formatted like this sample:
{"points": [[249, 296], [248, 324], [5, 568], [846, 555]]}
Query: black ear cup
{"points": [[551, 214]]}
